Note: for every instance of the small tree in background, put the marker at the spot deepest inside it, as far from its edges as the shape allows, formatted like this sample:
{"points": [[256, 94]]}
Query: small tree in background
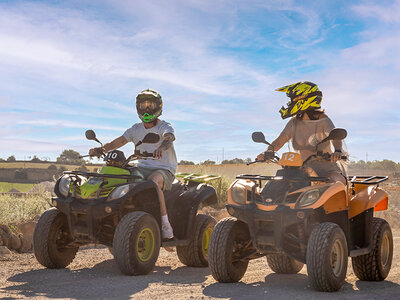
{"points": [[186, 162], [35, 159], [70, 157], [11, 158], [208, 162]]}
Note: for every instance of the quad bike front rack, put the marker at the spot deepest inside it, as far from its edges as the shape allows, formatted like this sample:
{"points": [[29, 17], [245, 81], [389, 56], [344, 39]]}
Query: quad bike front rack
{"points": [[197, 178]]}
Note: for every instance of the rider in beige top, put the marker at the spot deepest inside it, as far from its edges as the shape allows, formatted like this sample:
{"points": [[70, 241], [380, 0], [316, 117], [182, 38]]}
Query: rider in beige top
{"points": [[308, 126]]}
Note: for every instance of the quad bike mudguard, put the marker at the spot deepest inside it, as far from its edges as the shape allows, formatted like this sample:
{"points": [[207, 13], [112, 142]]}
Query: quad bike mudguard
{"points": [[182, 203]]}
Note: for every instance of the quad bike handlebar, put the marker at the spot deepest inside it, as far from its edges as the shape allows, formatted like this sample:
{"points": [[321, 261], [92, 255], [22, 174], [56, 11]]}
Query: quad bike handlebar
{"points": [[272, 157]]}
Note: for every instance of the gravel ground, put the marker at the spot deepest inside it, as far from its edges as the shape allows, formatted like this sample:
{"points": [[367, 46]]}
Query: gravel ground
{"points": [[94, 274]]}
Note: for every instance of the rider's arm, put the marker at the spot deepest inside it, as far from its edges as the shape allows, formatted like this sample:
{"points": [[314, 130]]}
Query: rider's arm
{"points": [[281, 140], [115, 144]]}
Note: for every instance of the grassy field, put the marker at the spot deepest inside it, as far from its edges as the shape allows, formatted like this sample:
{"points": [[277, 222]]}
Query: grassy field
{"points": [[16, 210], [43, 165], [22, 187]]}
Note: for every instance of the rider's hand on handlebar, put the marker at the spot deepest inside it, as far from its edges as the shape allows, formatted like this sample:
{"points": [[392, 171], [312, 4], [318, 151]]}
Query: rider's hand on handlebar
{"points": [[98, 151], [335, 156], [267, 155], [157, 153]]}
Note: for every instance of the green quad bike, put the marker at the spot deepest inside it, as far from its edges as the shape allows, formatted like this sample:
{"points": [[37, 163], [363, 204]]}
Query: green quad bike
{"points": [[118, 208], [298, 218]]}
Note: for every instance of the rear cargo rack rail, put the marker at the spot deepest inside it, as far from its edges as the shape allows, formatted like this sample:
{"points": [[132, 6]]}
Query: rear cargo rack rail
{"points": [[367, 179]]}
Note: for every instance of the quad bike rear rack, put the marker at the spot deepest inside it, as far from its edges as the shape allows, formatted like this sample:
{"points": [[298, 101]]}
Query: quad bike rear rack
{"points": [[193, 177], [367, 179], [260, 178]]}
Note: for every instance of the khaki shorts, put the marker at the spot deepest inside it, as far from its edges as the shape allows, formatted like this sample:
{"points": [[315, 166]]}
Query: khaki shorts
{"points": [[168, 176]]}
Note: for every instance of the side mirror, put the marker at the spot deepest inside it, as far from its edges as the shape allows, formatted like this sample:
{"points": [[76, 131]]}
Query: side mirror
{"points": [[335, 134], [258, 137], [90, 135], [151, 138]]}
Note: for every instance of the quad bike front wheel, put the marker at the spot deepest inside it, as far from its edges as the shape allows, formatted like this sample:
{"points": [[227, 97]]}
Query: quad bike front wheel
{"points": [[375, 266], [51, 240], [284, 264], [225, 254], [327, 257], [196, 253], [136, 243]]}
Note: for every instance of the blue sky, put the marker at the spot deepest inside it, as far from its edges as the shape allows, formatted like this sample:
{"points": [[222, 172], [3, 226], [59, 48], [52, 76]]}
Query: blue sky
{"points": [[67, 66]]}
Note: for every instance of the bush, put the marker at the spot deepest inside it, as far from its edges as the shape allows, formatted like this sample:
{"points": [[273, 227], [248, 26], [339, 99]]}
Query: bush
{"points": [[11, 158], [186, 162], [52, 168], [16, 210], [21, 174]]}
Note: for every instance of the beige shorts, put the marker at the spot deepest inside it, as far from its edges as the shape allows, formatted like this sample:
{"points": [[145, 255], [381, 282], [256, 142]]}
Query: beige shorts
{"points": [[168, 176]]}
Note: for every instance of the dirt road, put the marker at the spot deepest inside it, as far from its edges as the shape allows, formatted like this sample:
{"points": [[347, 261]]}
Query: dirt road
{"points": [[93, 274]]}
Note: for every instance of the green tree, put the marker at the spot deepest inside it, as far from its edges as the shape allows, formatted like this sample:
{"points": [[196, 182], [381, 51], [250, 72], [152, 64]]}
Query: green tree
{"points": [[208, 162], [233, 161], [11, 158], [35, 159], [186, 162], [70, 157]]}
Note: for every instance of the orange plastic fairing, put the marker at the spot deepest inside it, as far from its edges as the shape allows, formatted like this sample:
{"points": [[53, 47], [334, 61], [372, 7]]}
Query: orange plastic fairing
{"points": [[382, 205]]}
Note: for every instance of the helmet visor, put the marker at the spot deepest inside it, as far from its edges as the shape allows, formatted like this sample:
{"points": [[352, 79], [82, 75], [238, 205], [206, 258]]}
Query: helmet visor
{"points": [[147, 104]]}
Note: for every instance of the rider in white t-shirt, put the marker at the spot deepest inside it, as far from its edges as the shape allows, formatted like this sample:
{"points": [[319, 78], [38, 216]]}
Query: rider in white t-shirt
{"points": [[161, 170]]}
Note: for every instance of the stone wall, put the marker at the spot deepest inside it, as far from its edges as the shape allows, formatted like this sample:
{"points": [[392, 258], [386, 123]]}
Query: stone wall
{"points": [[32, 175]]}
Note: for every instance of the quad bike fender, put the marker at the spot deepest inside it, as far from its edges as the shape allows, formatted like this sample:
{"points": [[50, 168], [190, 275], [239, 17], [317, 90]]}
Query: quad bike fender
{"points": [[334, 199], [371, 197]]}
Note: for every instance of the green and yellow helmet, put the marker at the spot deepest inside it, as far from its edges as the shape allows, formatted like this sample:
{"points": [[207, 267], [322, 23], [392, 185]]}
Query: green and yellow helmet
{"points": [[149, 105], [304, 96]]}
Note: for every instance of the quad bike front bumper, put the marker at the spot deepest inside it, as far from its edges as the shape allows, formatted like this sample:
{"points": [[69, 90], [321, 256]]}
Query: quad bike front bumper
{"points": [[283, 230], [86, 218]]}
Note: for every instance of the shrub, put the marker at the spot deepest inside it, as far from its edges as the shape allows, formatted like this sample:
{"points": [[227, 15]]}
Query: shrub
{"points": [[21, 174], [52, 168]]}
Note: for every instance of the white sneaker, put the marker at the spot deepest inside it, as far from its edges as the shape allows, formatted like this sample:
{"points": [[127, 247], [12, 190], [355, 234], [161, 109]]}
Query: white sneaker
{"points": [[167, 232]]}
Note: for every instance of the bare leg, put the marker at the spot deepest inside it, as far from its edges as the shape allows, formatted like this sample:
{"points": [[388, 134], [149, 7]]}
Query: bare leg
{"points": [[166, 226]]}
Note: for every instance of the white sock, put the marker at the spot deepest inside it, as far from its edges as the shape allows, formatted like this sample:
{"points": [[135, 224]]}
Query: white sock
{"points": [[164, 219], [166, 228]]}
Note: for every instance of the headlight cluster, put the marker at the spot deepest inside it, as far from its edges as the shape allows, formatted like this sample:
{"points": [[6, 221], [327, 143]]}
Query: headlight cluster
{"points": [[239, 194], [310, 197], [118, 192], [64, 184]]}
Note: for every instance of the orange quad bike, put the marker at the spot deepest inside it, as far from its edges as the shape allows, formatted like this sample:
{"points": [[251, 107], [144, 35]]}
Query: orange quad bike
{"points": [[298, 218]]}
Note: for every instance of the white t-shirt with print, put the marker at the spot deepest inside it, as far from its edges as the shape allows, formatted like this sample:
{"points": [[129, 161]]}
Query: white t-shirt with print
{"points": [[136, 134]]}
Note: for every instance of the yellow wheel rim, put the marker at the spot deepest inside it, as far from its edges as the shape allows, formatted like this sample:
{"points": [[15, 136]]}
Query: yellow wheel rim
{"points": [[385, 250], [145, 245], [206, 241]]}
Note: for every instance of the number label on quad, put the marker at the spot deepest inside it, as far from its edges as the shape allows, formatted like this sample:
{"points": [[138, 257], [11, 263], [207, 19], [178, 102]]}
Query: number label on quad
{"points": [[291, 159]]}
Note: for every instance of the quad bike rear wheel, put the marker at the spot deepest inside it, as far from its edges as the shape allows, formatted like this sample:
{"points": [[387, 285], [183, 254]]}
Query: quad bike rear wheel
{"points": [[136, 243], [196, 253], [229, 238], [284, 264], [51, 240], [375, 266], [327, 257]]}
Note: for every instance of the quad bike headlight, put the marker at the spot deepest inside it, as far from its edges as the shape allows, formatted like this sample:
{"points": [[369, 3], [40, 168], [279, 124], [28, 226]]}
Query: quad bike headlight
{"points": [[239, 194], [64, 184], [118, 192], [310, 197]]}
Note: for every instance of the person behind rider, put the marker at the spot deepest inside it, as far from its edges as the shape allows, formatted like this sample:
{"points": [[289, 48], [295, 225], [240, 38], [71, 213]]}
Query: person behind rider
{"points": [[162, 168], [308, 126]]}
